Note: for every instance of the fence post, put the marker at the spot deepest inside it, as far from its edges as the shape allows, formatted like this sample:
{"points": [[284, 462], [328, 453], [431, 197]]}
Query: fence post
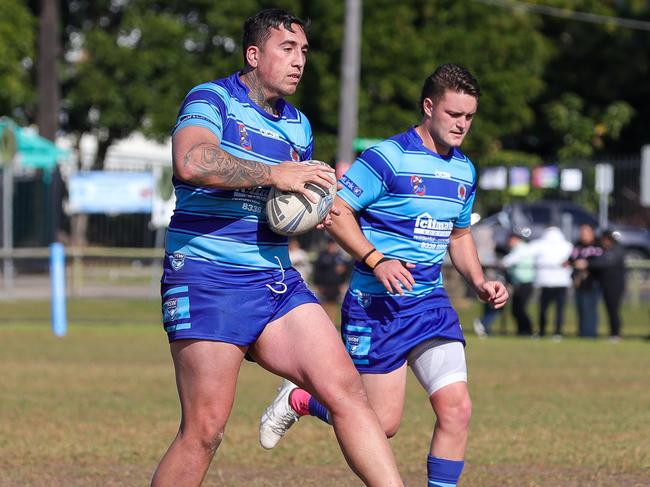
{"points": [[57, 280]]}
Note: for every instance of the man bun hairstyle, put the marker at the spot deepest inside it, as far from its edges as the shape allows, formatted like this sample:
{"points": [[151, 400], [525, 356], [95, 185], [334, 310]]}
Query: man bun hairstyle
{"points": [[449, 77], [257, 28]]}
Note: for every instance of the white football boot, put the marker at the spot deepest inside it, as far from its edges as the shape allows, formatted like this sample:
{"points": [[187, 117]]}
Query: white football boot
{"points": [[278, 417]]}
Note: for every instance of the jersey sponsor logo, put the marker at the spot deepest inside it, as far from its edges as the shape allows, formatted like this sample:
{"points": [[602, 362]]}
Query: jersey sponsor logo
{"points": [[177, 260], [442, 175], [170, 308], [258, 194], [431, 233], [419, 188], [295, 156], [269, 133], [244, 139], [462, 192], [351, 185], [193, 116]]}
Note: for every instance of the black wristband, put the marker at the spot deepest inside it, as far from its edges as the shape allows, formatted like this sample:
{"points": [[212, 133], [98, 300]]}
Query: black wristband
{"points": [[386, 259], [363, 259], [383, 259]]}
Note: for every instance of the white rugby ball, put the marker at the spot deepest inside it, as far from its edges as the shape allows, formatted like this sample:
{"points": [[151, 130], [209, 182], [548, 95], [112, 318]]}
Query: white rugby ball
{"points": [[290, 213]]}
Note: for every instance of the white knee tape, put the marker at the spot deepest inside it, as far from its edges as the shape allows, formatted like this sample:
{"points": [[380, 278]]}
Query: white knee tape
{"points": [[437, 363]]}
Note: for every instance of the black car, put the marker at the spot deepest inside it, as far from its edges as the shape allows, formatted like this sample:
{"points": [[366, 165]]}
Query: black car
{"points": [[530, 219]]}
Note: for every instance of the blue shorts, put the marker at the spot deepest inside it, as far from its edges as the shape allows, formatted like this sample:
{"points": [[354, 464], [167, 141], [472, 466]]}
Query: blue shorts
{"points": [[237, 316], [378, 346]]}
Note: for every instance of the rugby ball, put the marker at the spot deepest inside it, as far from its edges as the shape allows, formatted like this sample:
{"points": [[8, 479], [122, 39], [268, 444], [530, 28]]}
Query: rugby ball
{"points": [[291, 214]]}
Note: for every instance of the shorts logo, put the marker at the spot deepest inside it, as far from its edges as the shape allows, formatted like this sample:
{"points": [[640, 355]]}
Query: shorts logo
{"points": [[352, 343], [419, 189], [348, 183], [177, 260], [244, 139], [295, 157], [462, 192], [364, 300], [170, 307]]}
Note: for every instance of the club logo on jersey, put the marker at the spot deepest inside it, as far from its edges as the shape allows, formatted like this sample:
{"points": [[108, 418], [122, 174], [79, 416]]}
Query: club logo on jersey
{"points": [[177, 260], [419, 189], [462, 192], [170, 308], [295, 157], [351, 185], [244, 139]]}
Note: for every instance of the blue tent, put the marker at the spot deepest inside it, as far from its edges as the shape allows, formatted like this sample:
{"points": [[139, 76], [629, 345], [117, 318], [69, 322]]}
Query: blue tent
{"points": [[31, 149]]}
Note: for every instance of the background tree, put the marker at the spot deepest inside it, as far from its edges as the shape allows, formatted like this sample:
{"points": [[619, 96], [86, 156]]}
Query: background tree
{"points": [[598, 71], [17, 49], [131, 63]]}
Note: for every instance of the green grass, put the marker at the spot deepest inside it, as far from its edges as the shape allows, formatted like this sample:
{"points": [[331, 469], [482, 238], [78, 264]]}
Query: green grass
{"points": [[99, 407]]}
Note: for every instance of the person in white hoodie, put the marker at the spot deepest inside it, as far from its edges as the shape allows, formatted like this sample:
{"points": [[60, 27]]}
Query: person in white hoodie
{"points": [[553, 275]]}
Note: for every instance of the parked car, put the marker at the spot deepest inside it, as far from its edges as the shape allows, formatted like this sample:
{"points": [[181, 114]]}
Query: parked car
{"points": [[530, 219]]}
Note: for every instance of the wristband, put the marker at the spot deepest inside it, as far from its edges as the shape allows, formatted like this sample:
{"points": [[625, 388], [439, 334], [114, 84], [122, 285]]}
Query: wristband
{"points": [[363, 259], [374, 259], [381, 261], [386, 259]]}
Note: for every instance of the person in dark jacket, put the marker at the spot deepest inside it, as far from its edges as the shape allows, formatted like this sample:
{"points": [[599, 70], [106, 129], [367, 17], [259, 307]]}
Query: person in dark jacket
{"points": [[609, 269], [330, 273], [587, 290]]}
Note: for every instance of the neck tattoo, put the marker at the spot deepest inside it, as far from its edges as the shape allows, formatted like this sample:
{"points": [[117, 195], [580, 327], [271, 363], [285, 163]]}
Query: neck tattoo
{"points": [[256, 93]]}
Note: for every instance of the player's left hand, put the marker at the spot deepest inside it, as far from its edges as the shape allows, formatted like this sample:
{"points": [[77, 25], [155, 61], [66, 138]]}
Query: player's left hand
{"points": [[494, 293], [395, 275]]}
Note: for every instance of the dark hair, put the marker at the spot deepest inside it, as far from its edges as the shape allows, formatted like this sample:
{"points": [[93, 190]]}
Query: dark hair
{"points": [[256, 28], [448, 77], [608, 234]]}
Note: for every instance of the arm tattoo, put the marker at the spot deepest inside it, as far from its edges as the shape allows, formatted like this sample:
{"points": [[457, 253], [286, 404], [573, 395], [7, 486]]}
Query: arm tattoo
{"points": [[215, 167]]}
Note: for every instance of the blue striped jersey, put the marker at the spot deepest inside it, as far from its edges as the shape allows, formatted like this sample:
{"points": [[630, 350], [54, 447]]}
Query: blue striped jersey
{"points": [[408, 199], [221, 236]]}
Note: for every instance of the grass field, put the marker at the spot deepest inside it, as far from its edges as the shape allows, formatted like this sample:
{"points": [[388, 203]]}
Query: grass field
{"points": [[99, 407]]}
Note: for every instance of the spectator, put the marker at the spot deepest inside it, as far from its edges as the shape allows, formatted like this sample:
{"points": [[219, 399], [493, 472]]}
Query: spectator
{"points": [[552, 275], [587, 291], [330, 273], [520, 266], [485, 247], [299, 258], [609, 269]]}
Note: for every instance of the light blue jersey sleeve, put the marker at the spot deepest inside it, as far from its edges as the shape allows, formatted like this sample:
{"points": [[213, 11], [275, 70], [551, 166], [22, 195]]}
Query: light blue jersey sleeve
{"points": [[368, 178], [204, 106]]}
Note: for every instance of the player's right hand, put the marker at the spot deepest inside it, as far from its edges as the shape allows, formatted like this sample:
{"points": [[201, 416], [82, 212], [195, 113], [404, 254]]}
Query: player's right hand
{"points": [[395, 275], [294, 176]]}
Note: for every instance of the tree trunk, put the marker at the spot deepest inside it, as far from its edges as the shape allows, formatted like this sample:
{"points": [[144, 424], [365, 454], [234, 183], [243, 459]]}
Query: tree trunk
{"points": [[102, 150], [49, 96], [78, 230]]}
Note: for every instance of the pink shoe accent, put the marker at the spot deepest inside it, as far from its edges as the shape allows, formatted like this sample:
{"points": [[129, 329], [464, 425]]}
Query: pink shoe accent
{"points": [[299, 401]]}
